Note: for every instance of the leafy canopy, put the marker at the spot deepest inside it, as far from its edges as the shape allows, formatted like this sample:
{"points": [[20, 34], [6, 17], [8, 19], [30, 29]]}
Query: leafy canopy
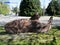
{"points": [[29, 7], [4, 8], [53, 8]]}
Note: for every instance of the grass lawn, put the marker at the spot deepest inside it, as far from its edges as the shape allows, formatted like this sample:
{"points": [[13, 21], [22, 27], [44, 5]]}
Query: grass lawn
{"points": [[50, 38]]}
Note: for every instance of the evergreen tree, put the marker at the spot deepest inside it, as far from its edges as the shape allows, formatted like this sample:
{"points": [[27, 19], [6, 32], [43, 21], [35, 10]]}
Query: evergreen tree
{"points": [[29, 7], [53, 8]]}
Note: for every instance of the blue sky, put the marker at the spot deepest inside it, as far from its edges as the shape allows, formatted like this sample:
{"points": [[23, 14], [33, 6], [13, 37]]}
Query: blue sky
{"points": [[44, 3], [15, 3]]}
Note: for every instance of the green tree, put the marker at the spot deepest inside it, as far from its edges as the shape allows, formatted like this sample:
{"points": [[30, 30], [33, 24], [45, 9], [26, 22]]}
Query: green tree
{"points": [[4, 9], [29, 7], [15, 10], [53, 8]]}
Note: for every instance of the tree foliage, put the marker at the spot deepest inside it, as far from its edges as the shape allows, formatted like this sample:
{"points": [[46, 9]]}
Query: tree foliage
{"points": [[29, 7], [15, 10], [53, 8], [4, 8]]}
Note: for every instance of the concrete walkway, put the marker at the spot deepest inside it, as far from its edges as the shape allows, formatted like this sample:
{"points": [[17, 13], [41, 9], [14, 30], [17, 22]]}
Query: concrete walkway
{"points": [[43, 19]]}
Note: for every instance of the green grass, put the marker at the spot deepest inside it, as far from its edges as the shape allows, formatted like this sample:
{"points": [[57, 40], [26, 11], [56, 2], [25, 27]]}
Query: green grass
{"points": [[32, 38], [1, 27]]}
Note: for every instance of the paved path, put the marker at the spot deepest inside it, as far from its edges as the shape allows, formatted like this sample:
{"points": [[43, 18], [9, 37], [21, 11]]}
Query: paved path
{"points": [[44, 19]]}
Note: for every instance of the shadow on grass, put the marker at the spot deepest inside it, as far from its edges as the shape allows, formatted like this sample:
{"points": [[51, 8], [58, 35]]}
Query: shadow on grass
{"points": [[56, 27], [3, 33]]}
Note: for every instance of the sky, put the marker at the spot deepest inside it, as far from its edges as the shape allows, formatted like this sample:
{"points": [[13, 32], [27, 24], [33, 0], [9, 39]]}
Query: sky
{"points": [[44, 3], [15, 3]]}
